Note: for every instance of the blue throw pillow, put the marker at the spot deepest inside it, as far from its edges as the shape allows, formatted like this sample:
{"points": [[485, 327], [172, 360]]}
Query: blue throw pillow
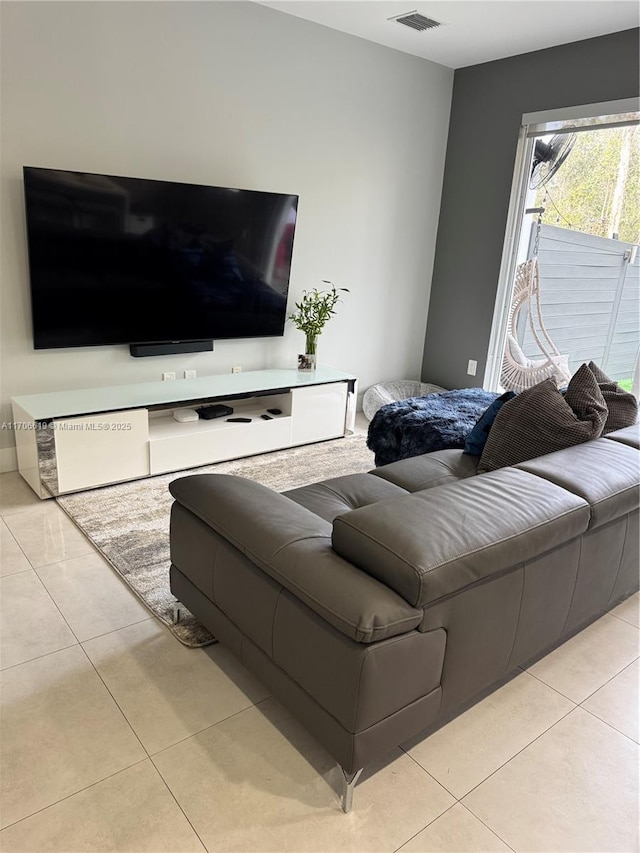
{"points": [[477, 438]]}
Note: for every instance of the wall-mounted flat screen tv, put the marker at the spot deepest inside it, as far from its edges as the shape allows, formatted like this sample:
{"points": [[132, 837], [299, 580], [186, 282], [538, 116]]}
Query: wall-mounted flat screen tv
{"points": [[117, 260]]}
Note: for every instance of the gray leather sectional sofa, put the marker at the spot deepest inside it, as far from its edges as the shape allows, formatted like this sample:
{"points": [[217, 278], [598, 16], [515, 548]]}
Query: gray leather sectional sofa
{"points": [[379, 605]]}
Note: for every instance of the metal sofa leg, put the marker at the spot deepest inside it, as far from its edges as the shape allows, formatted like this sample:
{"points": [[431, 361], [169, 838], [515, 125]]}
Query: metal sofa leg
{"points": [[348, 784], [177, 611]]}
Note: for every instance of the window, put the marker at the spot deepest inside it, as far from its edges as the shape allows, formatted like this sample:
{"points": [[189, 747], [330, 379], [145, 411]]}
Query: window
{"points": [[577, 209]]}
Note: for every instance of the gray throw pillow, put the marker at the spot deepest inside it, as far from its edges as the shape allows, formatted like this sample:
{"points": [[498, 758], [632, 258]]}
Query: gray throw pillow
{"points": [[541, 420], [621, 404]]}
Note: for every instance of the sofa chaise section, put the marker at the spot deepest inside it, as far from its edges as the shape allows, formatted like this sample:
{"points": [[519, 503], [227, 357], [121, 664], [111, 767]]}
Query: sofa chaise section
{"points": [[377, 606]]}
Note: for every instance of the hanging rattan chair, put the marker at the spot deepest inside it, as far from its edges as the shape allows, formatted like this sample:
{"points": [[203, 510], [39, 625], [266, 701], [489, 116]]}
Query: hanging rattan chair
{"points": [[519, 372]]}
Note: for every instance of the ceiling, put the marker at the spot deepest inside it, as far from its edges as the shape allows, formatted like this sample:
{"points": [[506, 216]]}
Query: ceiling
{"points": [[473, 31]]}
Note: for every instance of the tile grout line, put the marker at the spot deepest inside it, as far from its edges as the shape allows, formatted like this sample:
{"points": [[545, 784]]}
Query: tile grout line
{"points": [[424, 769], [115, 701], [39, 657], [469, 809], [579, 704], [555, 689], [19, 572], [504, 764], [613, 728], [464, 806], [606, 722], [43, 505], [63, 559], [77, 643], [14, 474], [154, 755], [523, 672], [609, 680], [55, 604], [35, 569], [206, 728], [97, 636], [23, 510], [115, 630], [62, 616], [73, 794], [404, 843], [621, 618], [123, 715], [18, 545], [92, 550], [453, 805], [175, 799]]}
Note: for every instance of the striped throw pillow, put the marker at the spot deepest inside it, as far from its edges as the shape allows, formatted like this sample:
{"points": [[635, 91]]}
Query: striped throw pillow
{"points": [[622, 405], [540, 420]]}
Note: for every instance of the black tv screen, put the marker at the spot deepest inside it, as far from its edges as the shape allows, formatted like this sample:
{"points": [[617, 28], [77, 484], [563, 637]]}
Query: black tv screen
{"points": [[117, 260]]}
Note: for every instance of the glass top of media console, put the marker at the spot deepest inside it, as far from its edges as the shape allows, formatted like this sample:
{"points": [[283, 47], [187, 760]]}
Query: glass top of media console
{"points": [[83, 401]]}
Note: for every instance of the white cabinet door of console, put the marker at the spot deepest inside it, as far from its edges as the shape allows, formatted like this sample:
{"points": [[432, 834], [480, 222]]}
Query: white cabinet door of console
{"points": [[99, 449], [318, 412]]}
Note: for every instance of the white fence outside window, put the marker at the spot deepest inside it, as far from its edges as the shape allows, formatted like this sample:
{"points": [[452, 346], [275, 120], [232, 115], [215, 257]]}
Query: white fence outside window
{"points": [[590, 299]]}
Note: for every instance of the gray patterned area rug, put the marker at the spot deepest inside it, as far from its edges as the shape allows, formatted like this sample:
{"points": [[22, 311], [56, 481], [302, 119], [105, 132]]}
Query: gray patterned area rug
{"points": [[129, 523]]}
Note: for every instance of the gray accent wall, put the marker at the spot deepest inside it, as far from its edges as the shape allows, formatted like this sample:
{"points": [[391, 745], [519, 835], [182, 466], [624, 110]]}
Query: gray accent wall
{"points": [[488, 103]]}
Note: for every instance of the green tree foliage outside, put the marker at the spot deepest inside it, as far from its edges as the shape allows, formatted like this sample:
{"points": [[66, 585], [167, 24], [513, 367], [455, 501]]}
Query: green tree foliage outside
{"points": [[582, 193]]}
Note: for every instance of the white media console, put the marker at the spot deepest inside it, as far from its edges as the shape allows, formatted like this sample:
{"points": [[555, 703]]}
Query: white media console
{"points": [[73, 440]]}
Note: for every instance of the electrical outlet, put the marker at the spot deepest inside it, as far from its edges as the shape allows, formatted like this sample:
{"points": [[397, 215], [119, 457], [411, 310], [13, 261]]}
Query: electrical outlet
{"points": [[472, 366], [190, 374], [170, 374], [236, 369]]}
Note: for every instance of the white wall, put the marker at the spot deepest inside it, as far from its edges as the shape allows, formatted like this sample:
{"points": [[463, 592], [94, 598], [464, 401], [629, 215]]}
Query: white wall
{"points": [[235, 94]]}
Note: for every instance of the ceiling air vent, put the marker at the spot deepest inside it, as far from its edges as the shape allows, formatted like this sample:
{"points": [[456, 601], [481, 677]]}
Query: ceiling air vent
{"points": [[416, 21]]}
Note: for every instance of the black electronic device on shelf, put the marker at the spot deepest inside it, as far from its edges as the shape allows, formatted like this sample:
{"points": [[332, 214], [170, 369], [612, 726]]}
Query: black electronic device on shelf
{"points": [[159, 265], [217, 410]]}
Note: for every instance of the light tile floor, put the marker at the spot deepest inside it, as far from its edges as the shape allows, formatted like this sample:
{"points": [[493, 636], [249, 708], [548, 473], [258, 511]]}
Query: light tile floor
{"points": [[115, 737]]}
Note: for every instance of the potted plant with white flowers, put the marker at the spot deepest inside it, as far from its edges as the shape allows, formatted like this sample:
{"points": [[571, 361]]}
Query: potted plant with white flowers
{"points": [[312, 313]]}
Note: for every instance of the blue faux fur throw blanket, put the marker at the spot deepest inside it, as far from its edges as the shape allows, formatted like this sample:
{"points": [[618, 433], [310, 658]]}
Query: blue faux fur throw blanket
{"points": [[423, 424]]}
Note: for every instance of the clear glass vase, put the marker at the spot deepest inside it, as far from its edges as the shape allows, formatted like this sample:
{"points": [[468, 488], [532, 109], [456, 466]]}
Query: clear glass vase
{"points": [[308, 360]]}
